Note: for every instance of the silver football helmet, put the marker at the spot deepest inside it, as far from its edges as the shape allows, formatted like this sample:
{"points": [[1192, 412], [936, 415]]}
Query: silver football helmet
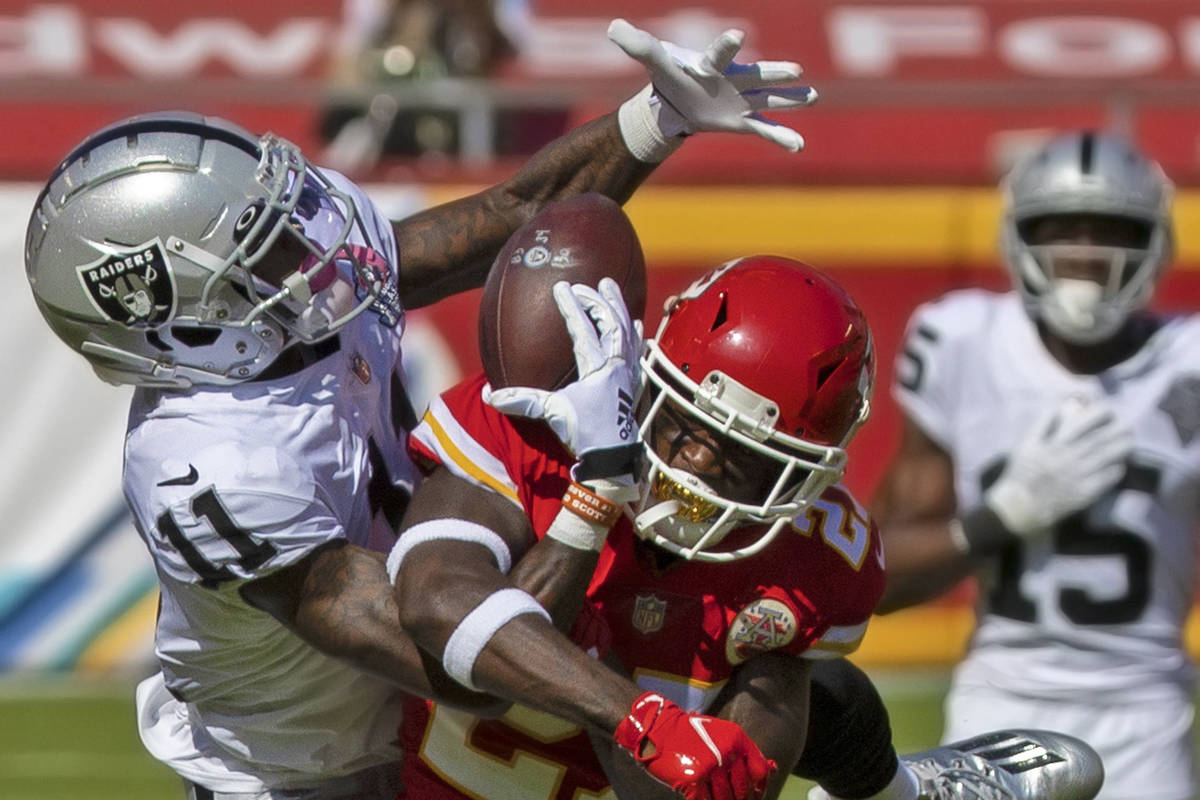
{"points": [[1086, 173], [174, 249]]}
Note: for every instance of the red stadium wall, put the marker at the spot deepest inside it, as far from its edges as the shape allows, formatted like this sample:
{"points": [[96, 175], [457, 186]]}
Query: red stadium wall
{"points": [[920, 92]]}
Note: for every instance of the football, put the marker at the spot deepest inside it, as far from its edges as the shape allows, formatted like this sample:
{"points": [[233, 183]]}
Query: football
{"points": [[523, 340]]}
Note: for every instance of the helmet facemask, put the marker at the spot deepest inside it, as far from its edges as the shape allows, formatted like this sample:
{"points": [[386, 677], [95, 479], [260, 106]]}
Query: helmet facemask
{"points": [[301, 220], [682, 513], [1085, 292]]}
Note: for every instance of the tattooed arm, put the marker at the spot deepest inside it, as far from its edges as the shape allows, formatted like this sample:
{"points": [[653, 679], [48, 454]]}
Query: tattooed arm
{"points": [[449, 248], [339, 600]]}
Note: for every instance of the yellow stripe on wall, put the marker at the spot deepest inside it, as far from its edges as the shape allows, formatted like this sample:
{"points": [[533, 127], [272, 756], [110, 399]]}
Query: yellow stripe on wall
{"points": [[933, 635], [873, 225], [128, 633], [921, 636], [937, 635], [902, 225]]}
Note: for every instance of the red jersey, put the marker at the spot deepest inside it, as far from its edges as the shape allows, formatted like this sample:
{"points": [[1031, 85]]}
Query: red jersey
{"points": [[679, 627]]}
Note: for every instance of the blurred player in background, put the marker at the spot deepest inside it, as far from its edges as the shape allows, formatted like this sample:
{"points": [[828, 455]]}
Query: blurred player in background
{"points": [[1050, 448], [740, 562], [257, 303]]}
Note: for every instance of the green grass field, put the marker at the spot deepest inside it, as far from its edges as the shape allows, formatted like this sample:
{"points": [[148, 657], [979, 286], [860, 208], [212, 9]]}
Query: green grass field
{"points": [[66, 740]]}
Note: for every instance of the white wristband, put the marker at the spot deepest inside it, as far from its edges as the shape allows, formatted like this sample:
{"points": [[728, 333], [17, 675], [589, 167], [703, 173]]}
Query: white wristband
{"points": [[477, 629], [575, 531], [640, 129], [1017, 507], [458, 529]]}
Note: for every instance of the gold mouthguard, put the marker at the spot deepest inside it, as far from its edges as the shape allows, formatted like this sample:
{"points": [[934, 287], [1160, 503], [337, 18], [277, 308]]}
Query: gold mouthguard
{"points": [[694, 508]]}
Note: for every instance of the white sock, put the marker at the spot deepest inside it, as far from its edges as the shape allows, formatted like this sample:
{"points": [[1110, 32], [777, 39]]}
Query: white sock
{"points": [[903, 786]]}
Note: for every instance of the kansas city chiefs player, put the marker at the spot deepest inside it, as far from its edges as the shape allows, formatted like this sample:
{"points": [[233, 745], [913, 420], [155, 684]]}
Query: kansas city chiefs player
{"points": [[733, 561]]}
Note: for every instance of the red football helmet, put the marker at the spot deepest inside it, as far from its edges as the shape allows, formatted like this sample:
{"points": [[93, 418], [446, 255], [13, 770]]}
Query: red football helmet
{"points": [[773, 358]]}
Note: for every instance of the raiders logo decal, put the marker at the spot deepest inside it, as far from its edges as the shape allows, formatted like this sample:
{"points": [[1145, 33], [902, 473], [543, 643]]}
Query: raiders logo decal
{"points": [[1182, 404], [763, 625], [132, 287]]}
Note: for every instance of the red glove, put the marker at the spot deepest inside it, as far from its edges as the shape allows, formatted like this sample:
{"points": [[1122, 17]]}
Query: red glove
{"points": [[701, 757]]}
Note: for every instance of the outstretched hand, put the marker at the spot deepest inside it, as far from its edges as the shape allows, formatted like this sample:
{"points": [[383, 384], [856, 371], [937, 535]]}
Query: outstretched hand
{"points": [[691, 92]]}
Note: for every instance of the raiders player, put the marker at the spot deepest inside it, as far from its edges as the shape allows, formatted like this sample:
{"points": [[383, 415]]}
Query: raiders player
{"points": [[1050, 447], [256, 302]]}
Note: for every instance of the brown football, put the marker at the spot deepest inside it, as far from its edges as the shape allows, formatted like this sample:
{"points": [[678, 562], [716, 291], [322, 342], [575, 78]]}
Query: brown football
{"points": [[523, 340]]}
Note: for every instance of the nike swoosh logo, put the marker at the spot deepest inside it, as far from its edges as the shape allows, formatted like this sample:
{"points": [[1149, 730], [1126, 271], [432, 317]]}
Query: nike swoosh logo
{"points": [[698, 724], [183, 480]]}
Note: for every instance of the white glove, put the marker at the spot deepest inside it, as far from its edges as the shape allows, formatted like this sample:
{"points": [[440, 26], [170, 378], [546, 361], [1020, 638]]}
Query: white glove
{"points": [[691, 92], [1066, 461], [593, 416]]}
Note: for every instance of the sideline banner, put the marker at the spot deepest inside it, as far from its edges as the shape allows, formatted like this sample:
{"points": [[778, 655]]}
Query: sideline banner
{"points": [[71, 563], [926, 92]]}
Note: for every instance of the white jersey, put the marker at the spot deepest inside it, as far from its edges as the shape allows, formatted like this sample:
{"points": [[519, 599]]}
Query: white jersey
{"points": [[1096, 611], [231, 484]]}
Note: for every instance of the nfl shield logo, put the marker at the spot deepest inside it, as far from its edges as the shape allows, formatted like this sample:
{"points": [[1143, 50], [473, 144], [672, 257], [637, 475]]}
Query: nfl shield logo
{"points": [[649, 613], [133, 287]]}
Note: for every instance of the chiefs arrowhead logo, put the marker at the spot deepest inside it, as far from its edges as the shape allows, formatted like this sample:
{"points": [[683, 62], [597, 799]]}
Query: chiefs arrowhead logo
{"points": [[133, 287], [763, 625]]}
